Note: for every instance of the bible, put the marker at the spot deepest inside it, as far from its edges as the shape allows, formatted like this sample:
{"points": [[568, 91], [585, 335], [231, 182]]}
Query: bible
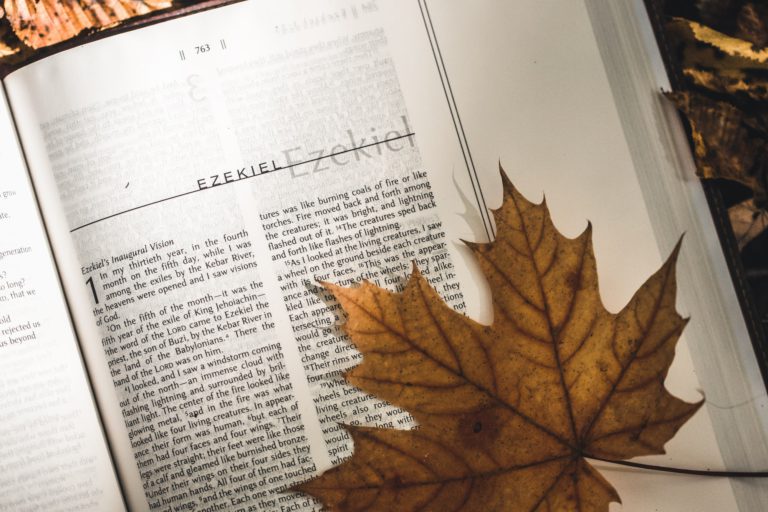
{"points": [[172, 194]]}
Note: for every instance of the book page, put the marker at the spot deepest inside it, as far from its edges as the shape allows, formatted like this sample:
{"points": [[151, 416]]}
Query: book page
{"points": [[212, 169], [199, 196], [53, 454]]}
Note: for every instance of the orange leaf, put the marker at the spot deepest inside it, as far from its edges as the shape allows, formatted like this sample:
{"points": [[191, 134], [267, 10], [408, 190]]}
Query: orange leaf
{"points": [[507, 413]]}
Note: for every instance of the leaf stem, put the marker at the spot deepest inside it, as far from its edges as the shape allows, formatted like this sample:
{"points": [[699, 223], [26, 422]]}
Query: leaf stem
{"points": [[684, 471]]}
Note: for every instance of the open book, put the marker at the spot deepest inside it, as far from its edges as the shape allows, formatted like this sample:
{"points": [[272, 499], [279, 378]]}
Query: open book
{"points": [[171, 195]]}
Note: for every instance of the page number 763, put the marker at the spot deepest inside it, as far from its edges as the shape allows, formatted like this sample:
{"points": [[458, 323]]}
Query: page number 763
{"points": [[203, 48]]}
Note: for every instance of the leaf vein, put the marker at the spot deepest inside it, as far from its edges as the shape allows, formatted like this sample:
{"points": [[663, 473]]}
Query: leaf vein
{"points": [[631, 359]]}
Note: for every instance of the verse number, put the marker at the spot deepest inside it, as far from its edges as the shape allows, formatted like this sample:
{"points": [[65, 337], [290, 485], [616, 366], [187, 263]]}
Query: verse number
{"points": [[203, 48], [93, 289]]}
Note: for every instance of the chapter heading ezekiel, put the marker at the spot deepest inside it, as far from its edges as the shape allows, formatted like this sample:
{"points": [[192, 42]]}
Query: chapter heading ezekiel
{"points": [[303, 163]]}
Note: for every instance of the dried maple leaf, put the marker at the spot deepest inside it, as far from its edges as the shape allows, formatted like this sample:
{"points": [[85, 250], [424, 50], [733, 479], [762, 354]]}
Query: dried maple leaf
{"points": [[508, 412], [40, 23]]}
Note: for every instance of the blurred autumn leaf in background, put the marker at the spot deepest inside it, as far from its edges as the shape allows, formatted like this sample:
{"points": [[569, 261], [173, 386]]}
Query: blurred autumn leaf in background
{"points": [[718, 58], [508, 413], [748, 221], [39, 23], [728, 143], [725, 103], [29, 25], [9, 43]]}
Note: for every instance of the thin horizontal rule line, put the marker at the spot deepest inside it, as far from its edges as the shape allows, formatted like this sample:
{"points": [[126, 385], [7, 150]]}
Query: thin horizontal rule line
{"points": [[330, 155]]}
